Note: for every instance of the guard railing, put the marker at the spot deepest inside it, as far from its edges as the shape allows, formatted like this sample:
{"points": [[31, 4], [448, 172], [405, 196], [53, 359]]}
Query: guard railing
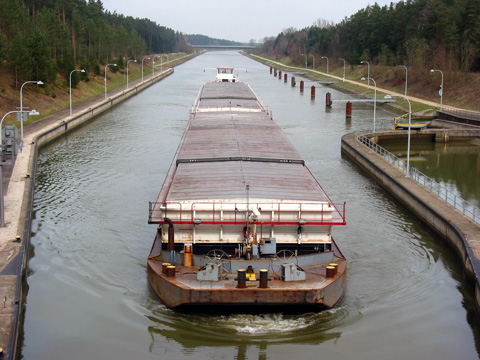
{"points": [[448, 195]]}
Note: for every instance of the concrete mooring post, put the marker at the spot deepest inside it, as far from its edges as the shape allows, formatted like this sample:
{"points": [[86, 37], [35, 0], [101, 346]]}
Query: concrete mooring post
{"points": [[348, 109], [328, 99]]}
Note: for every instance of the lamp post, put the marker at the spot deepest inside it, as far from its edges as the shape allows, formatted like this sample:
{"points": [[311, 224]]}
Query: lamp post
{"points": [[21, 108], [106, 78], [161, 67], [375, 101], [406, 77], [368, 70], [409, 127], [305, 60], [441, 87], [343, 68], [81, 70], [129, 61], [153, 63], [313, 65], [324, 57], [142, 65]]}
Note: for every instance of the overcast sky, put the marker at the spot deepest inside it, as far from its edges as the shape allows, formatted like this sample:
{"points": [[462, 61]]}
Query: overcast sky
{"points": [[241, 20]]}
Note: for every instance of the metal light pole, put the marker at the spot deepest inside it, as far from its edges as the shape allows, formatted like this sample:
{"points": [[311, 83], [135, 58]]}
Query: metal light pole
{"points": [[324, 57], [21, 108], [343, 68], [409, 127], [142, 65], [368, 70], [106, 78], [406, 77], [81, 70], [441, 87], [375, 101], [129, 61], [161, 64], [313, 65], [153, 63]]}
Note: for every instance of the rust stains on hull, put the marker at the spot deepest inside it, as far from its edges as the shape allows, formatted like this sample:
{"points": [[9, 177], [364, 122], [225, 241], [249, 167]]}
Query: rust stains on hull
{"points": [[184, 289]]}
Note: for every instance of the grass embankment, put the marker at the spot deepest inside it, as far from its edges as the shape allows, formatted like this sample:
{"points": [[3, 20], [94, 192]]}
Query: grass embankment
{"points": [[461, 90], [55, 97]]}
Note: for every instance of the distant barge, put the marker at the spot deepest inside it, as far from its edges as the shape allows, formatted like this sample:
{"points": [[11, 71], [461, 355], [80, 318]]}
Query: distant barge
{"points": [[241, 220]]}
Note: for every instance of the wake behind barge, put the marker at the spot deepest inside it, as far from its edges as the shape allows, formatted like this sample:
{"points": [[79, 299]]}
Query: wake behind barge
{"points": [[241, 220]]}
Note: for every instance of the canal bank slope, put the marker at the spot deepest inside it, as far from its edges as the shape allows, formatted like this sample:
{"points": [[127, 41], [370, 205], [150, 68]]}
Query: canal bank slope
{"points": [[460, 232], [363, 84], [19, 186]]}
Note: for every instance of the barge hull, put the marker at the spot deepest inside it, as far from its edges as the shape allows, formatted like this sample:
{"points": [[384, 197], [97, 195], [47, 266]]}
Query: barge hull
{"points": [[174, 294]]}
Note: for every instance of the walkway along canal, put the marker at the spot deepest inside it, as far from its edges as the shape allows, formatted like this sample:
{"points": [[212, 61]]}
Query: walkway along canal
{"points": [[87, 291]]}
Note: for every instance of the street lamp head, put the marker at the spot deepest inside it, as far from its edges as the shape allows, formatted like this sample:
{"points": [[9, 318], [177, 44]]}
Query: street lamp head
{"points": [[134, 60], [34, 112], [114, 64], [82, 70], [363, 62], [432, 70], [39, 82], [363, 78]]}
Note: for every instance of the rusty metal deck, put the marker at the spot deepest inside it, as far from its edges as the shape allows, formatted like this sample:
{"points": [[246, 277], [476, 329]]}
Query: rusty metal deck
{"points": [[184, 289]]}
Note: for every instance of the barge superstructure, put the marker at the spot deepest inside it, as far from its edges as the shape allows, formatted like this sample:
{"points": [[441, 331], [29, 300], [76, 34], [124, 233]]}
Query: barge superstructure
{"points": [[241, 219]]}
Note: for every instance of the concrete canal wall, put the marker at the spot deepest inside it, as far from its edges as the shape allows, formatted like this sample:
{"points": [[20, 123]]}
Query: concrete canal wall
{"points": [[459, 231], [87, 114]]}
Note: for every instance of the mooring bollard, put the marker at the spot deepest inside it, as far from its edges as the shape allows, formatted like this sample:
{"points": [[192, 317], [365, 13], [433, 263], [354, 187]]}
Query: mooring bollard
{"points": [[301, 85], [328, 99], [312, 91], [335, 266], [263, 278], [275, 72], [293, 81], [279, 74], [349, 109], [171, 271], [330, 271], [271, 70], [241, 278], [164, 268], [285, 78]]}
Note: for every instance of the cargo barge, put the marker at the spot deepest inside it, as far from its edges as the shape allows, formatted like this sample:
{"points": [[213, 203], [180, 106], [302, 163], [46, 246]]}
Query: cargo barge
{"points": [[240, 218]]}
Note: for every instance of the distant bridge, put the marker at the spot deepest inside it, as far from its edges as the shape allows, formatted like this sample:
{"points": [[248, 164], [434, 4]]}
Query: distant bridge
{"points": [[223, 47]]}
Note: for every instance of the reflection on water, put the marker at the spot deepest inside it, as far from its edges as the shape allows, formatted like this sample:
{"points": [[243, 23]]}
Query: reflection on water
{"points": [[88, 294], [455, 164]]}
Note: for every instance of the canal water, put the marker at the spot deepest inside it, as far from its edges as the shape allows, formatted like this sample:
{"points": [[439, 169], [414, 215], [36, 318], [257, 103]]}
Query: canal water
{"points": [[455, 164], [88, 297]]}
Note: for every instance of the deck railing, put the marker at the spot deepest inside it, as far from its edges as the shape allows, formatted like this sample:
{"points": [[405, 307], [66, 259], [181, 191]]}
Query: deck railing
{"points": [[449, 196], [235, 213]]}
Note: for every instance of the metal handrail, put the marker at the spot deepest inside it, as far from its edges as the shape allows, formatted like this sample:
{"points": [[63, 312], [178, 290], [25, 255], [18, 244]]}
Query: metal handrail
{"points": [[187, 213], [449, 196]]}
